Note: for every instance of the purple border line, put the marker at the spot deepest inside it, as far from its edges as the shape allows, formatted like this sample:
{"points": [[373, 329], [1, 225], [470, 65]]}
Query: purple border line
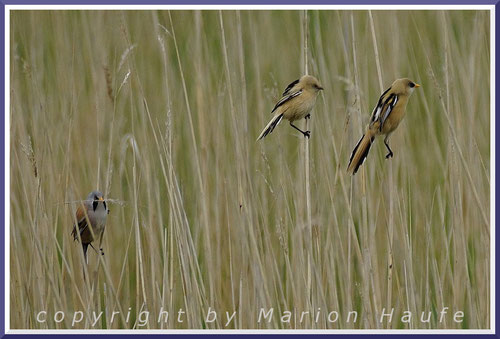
{"points": [[219, 2], [2, 182], [497, 95], [248, 2]]}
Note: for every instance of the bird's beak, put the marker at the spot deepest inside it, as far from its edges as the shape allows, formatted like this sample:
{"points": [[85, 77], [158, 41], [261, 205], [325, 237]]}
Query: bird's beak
{"points": [[417, 85], [320, 88], [101, 198]]}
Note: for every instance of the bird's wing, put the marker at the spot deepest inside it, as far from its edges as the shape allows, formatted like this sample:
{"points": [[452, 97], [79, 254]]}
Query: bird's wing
{"points": [[391, 101], [81, 219], [289, 87], [378, 109], [384, 107], [287, 98]]}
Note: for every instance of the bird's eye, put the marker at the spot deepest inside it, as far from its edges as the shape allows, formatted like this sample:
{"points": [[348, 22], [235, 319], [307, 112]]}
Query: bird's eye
{"points": [[411, 84]]}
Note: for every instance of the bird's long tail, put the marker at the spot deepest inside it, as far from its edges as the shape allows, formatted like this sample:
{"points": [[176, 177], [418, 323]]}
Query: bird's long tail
{"points": [[360, 152], [85, 247], [270, 126]]}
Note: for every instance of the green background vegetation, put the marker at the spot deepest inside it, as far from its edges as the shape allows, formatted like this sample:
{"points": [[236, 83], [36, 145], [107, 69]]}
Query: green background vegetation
{"points": [[160, 110]]}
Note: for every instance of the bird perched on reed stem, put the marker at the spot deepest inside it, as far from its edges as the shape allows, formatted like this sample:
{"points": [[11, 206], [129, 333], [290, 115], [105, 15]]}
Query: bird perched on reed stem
{"points": [[386, 116], [92, 212], [296, 103]]}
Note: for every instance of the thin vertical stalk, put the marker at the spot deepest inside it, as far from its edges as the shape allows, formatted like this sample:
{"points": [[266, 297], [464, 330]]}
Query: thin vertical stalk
{"points": [[390, 190], [306, 167], [203, 199]]}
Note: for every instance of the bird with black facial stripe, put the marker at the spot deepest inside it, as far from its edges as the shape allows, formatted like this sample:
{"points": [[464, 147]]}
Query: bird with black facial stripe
{"points": [[296, 103], [386, 116], [91, 219]]}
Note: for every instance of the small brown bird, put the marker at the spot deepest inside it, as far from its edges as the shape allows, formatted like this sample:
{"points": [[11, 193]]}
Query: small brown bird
{"points": [[93, 211], [296, 103], [386, 116]]}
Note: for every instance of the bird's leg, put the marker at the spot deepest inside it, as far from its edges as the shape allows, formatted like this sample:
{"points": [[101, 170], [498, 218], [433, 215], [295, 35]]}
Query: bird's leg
{"points": [[306, 133], [390, 154], [308, 116], [100, 242]]}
